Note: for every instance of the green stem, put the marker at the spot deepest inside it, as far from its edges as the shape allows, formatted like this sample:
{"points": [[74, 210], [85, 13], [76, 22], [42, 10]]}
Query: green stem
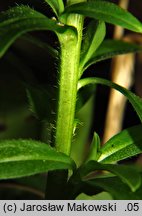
{"points": [[70, 43]]}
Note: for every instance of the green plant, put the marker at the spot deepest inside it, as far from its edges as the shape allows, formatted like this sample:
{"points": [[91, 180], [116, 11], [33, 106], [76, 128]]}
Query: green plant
{"points": [[99, 171]]}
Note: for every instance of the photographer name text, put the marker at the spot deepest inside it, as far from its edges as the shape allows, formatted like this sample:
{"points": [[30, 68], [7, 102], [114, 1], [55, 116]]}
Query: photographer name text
{"points": [[70, 207]]}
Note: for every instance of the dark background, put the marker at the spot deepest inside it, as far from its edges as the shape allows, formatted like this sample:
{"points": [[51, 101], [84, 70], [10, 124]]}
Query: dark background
{"points": [[38, 67]]}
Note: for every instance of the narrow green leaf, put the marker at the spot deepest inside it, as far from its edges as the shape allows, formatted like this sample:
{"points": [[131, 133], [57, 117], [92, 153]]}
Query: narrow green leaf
{"points": [[39, 43], [100, 196], [94, 36], [94, 148], [21, 19], [133, 136], [56, 5], [107, 12], [27, 157], [111, 48], [123, 145], [128, 174], [115, 187], [81, 135], [133, 99], [83, 96], [41, 101]]}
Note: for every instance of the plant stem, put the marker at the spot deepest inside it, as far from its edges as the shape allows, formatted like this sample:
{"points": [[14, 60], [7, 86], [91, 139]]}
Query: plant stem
{"points": [[70, 42]]}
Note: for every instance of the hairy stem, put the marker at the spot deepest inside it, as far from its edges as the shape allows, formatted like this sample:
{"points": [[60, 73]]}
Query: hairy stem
{"points": [[70, 43]]}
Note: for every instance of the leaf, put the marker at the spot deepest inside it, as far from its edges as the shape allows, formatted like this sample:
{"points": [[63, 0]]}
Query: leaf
{"points": [[94, 36], [19, 20], [81, 134], [84, 111], [27, 157], [94, 148], [128, 174], [123, 145], [56, 5], [107, 12], [115, 187], [100, 196], [133, 99], [41, 101], [36, 41], [83, 96], [111, 48]]}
